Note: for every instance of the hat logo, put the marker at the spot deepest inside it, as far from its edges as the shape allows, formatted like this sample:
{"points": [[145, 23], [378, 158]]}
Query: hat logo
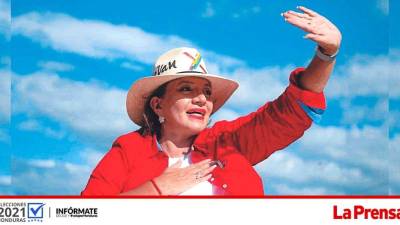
{"points": [[196, 61], [164, 67]]}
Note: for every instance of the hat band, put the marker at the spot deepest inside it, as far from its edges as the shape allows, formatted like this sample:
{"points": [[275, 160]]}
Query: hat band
{"points": [[191, 71]]}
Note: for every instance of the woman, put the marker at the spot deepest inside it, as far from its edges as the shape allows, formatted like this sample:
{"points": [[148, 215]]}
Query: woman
{"points": [[175, 154]]}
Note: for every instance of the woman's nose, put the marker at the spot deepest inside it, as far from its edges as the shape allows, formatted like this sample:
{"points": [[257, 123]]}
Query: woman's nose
{"points": [[200, 99]]}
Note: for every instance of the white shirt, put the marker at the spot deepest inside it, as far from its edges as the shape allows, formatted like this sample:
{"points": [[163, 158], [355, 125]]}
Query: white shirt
{"points": [[203, 188]]}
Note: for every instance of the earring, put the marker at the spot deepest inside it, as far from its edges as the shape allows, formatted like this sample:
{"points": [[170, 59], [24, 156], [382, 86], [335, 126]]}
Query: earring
{"points": [[161, 119]]}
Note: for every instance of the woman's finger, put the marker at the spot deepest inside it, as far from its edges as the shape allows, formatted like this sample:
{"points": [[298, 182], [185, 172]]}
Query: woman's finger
{"points": [[202, 164], [315, 37], [303, 24], [205, 178], [208, 170], [308, 11], [203, 172], [299, 15], [193, 168], [294, 15]]}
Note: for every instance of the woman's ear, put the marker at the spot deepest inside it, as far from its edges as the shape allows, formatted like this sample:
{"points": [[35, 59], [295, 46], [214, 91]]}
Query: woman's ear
{"points": [[155, 104]]}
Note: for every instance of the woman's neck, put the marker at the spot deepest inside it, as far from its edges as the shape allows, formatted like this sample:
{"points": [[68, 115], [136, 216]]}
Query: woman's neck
{"points": [[175, 145]]}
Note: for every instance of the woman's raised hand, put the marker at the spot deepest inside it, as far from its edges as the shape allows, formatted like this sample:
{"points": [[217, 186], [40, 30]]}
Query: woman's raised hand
{"points": [[319, 29], [175, 180]]}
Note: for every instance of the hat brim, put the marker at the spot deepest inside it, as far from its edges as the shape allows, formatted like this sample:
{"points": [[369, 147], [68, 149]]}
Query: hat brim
{"points": [[140, 91]]}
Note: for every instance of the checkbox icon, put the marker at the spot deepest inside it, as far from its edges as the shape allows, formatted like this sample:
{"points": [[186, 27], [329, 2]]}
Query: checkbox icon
{"points": [[35, 210]]}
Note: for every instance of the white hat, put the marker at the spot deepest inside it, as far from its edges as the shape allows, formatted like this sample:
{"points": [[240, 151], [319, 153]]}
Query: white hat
{"points": [[174, 64]]}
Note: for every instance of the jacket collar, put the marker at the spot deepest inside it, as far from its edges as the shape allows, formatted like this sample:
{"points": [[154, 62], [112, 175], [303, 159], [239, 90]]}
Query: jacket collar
{"points": [[199, 143]]}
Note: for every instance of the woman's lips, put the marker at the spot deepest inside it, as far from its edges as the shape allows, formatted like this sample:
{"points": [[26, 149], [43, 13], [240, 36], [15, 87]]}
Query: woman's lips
{"points": [[196, 113], [197, 110], [195, 116]]}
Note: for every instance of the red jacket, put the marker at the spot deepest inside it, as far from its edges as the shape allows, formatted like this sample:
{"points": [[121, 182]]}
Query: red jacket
{"points": [[238, 145]]}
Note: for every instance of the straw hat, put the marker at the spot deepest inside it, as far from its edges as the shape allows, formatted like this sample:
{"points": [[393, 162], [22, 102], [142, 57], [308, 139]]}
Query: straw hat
{"points": [[174, 64]]}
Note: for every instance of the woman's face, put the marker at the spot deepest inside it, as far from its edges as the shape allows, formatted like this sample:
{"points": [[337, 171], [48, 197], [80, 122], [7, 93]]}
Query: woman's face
{"points": [[186, 105]]}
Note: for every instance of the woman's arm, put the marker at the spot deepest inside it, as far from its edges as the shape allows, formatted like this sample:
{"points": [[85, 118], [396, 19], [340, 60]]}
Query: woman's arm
{"points": [[316, 75], [328, 38], [273, 126], [282, 121]]}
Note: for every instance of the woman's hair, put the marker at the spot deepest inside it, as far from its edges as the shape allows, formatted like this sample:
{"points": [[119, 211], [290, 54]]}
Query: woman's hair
{"points": [[151, 123]]}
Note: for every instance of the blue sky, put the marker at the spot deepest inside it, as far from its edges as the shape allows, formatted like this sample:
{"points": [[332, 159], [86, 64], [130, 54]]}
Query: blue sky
{"points": [[73, 61]]}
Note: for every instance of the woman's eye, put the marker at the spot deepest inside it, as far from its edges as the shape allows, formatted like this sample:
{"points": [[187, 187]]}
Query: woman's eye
{"points": [[185, 88], [207, 92]]}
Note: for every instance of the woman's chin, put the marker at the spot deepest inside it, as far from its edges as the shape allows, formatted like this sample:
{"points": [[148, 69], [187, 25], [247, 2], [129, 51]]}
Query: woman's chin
{"points": [[196, 127]]}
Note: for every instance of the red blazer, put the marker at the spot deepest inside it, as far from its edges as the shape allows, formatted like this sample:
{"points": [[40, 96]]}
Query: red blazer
{"points": [[238, 145]]}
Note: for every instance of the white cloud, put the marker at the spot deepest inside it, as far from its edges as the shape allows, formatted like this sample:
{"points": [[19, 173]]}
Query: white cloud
{"points": [[366, 147], [57, 174], [393, 120], [131, 66], [258, 86], [53, 66], [91, 156], [383, 6], [362, 76], [29, 125], [325, 140], [92, 38], [247, 11], [5, 17], [356, 114], [365, 75], [283, 189], [287, 166], [101, 39], [394, 165], [209, 11], [73, 168], [34, 125], [5, 180], [224, 114], [221, 64], [394, 79], [61, 178], [5, 93], [42, 163], [90, 109]]}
